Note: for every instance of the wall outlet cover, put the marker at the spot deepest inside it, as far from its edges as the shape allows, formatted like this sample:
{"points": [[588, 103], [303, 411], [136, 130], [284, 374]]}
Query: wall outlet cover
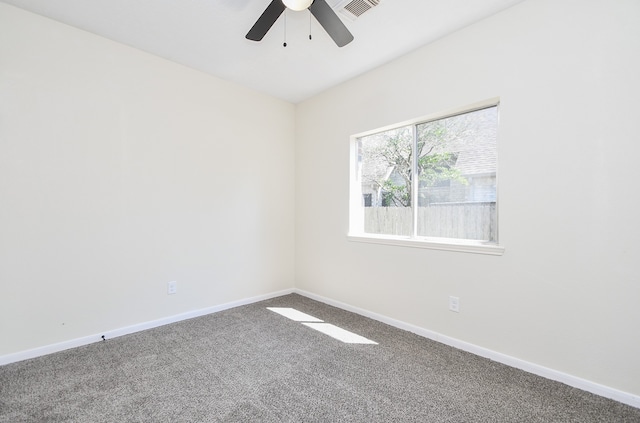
{"points": [[454, 304]]}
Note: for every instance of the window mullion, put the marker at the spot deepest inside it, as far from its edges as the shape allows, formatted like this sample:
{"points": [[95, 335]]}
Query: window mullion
{"points": [[415, 181]]}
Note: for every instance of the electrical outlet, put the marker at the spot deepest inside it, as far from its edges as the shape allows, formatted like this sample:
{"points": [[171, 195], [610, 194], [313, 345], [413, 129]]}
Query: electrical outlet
{"points": [[454, 304], [172, 287]]}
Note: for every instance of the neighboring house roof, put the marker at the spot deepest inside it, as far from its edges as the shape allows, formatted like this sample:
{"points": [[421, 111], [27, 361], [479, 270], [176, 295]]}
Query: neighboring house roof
{"points": [[480, 161], [476, 144]]}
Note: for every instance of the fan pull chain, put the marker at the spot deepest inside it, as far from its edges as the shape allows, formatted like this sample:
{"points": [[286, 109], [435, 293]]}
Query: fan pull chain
{"points": [[309, 24], [284, 44]]}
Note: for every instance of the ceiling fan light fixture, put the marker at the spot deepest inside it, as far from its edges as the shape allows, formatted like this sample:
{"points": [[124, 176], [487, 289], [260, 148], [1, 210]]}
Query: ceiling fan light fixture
{"points": [[297, 5], [319, 9]]}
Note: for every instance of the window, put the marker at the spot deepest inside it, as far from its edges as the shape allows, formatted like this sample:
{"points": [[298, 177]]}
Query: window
{"points": [[431, 183], [367, 199]]}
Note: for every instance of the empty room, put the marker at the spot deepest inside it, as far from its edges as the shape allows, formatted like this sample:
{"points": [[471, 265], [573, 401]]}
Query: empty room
{"points": [[319, 211]]}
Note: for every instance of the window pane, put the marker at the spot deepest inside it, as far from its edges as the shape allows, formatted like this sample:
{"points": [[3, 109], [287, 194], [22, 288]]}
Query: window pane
{"points": [[457, 176], [385, 166]]}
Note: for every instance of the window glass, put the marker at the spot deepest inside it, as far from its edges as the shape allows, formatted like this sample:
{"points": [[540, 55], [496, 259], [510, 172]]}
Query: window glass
{"points": [[385, 160], [457, 171]]}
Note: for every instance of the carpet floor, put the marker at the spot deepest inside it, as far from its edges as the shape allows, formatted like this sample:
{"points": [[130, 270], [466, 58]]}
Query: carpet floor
{"points": [[249, 364]]}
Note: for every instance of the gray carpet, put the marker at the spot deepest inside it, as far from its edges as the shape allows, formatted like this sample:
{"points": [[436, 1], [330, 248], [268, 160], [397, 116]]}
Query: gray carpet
{"points": [[249, 364]]}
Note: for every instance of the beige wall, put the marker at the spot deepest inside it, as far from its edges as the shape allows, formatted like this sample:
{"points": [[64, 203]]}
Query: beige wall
{"points": [[566, 293], [120, 172]]}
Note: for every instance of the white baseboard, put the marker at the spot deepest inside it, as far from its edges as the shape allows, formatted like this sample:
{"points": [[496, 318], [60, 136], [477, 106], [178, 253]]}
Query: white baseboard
{"points": [[61, 346], [576, 382]]}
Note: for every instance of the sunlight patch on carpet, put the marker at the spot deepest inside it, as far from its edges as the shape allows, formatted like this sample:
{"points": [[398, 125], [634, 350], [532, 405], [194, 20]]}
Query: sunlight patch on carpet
{"points": [[293, 314], [319, 325]]}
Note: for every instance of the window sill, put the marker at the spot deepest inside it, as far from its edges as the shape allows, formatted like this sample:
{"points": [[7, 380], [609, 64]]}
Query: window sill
{"points": [[445, 244]]}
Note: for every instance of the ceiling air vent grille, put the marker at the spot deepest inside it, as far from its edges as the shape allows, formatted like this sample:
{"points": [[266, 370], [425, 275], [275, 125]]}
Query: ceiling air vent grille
{"points": [[355, 8]]}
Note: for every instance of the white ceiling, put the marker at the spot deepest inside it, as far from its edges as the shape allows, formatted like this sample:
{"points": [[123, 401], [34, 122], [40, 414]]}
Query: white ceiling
{"points": [[209, 35]]}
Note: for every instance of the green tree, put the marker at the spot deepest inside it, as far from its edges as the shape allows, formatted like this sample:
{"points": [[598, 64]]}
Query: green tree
{"points": [[436, 160]]}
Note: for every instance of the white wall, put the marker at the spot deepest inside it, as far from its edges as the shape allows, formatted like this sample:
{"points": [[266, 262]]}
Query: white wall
{"points": [[120, 172], [566, 293]]}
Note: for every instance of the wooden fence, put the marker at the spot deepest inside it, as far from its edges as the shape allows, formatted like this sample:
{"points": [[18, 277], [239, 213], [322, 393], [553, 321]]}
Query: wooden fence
{"points": [[447, 220]]}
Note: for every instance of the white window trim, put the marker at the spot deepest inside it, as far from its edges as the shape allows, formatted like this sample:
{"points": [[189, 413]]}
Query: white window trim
{"points": [[444, 244]]}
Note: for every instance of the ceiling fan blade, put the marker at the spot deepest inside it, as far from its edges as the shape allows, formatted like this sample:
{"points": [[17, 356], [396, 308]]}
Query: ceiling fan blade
{"points": [[266, 20], [331, 22]]}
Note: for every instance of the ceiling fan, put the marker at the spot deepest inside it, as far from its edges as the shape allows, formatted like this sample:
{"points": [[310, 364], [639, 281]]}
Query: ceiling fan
{"points": [[318, 8]]}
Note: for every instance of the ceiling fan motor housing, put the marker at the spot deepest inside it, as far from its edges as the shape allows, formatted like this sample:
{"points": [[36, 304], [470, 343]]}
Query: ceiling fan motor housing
{"points": [[297, 5]]}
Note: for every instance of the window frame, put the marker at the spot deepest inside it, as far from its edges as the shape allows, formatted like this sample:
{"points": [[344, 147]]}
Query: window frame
{"points": [[413, 240]]}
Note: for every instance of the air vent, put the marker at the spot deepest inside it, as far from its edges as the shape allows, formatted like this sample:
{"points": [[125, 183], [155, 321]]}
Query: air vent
{"points": [[353, 9]]}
